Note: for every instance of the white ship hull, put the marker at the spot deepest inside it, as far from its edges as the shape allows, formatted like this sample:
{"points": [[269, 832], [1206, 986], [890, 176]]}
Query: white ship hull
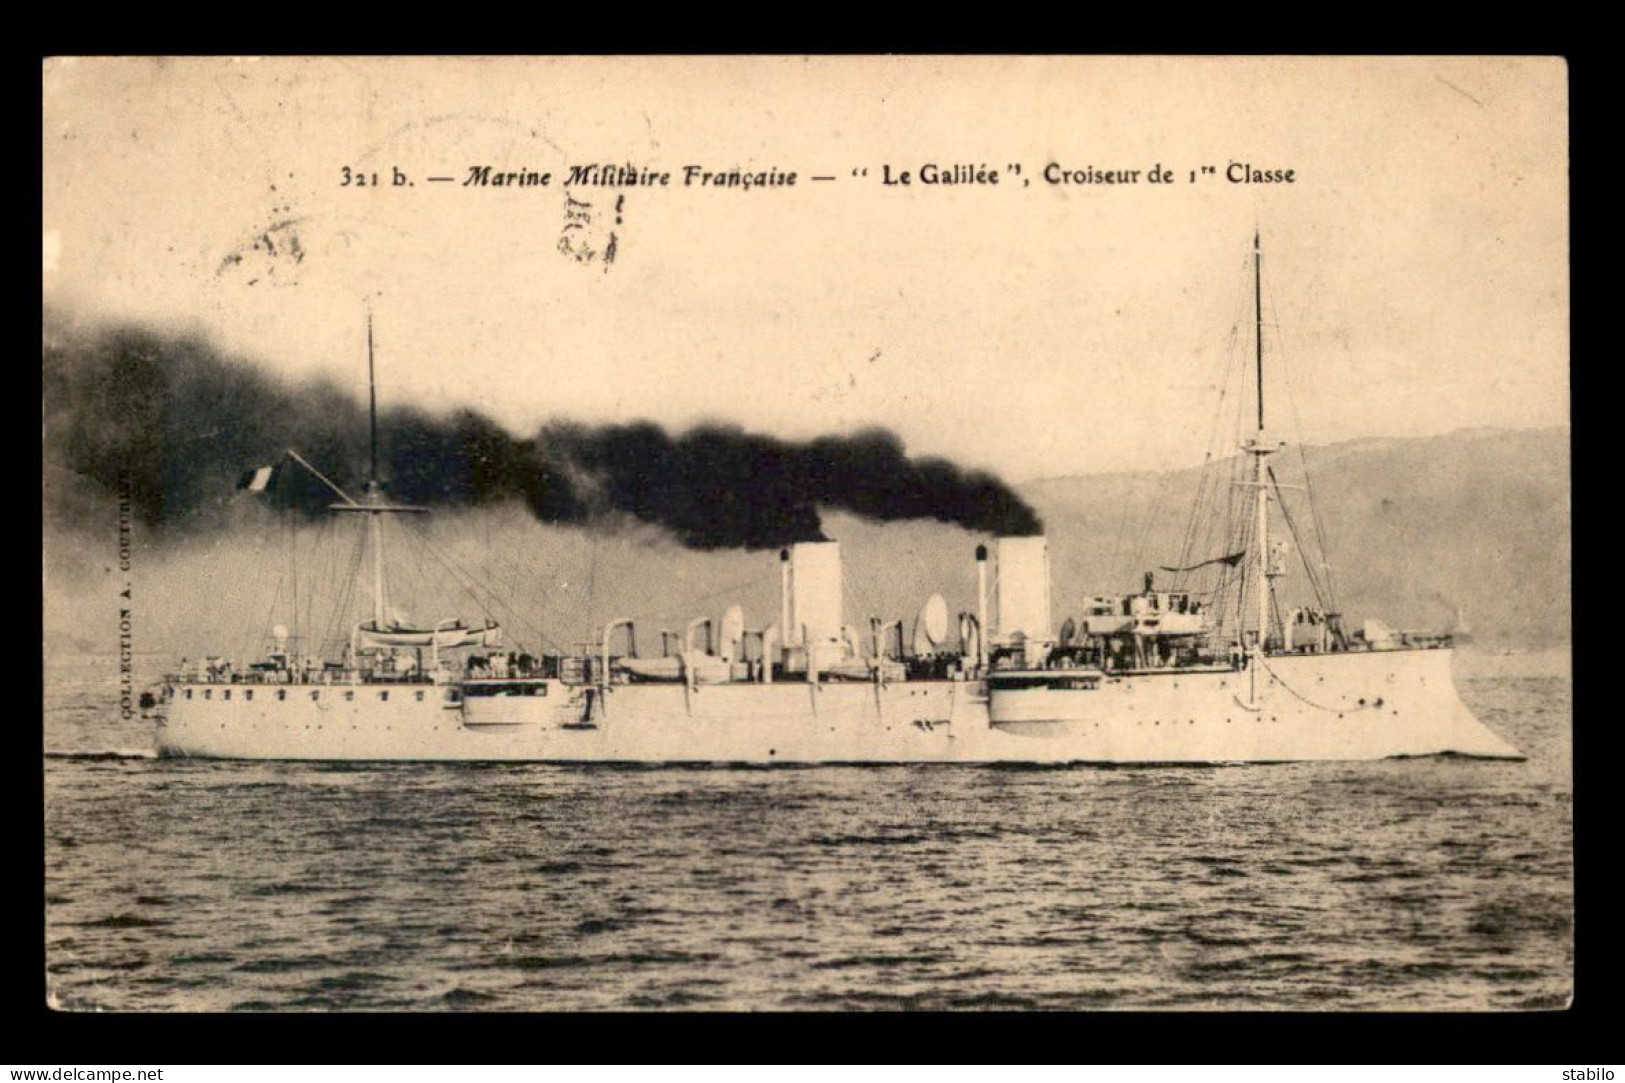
{"points": [[1310, 710], [1359, 705]]}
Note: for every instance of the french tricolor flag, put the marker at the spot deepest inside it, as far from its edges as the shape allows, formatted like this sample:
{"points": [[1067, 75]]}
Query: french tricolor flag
{"points": [[257, 481]]}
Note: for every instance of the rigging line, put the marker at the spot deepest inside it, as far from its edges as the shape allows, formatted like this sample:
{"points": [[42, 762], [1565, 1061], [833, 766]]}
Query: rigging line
{"points": [[863, 591], [344, 613], [244, 633], [352, 579], [1246, 581], [575, 604], [1305, 699], [1198, 506], [511, 586], [321, 583], [269, 618], [849, 597], [924, 573], [458, 576], [348, 617], [461, 577], [343, 599], [571, 612], [1231, 365], [1303, 550], [1330, 600], [1119, 570], [877, 599], [1113, 566], [293, 572], [372, 407], [324, 647], [406, 608], [686, 606], [318, 546], [1238, 521], [517, 615], [1228, 364], [471, 586], [515, 579], [1149, 522], [588, 600], [582, 613], [855, 610]]}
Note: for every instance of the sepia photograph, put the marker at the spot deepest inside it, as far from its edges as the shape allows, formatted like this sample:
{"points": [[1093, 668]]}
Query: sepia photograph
{"points": [[807, 534]]}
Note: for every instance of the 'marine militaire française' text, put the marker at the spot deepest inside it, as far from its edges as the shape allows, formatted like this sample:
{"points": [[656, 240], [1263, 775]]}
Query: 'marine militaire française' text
{"points": [[630, 176]]}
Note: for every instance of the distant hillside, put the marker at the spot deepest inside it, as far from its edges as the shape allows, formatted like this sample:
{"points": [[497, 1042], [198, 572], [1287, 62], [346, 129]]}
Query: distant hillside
{"points": [[1474, 523], [1472, 526]]}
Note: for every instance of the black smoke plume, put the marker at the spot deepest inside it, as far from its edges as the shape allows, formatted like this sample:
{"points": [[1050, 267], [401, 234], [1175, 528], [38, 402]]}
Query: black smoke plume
{"points": [[170, 424]]}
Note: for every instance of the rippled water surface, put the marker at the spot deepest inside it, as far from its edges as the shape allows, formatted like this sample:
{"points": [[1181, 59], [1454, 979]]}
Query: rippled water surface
{"points": [[1422, 884]]}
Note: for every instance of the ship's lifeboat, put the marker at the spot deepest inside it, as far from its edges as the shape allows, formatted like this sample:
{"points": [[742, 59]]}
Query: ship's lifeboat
{"points": [[444, 636]]}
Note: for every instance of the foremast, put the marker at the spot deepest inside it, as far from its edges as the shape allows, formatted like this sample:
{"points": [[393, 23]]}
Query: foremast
{"points": [[373, 503]]}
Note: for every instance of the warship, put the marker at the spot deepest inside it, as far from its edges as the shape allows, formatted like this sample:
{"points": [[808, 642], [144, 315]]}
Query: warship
{"points": [[1210, 669]]}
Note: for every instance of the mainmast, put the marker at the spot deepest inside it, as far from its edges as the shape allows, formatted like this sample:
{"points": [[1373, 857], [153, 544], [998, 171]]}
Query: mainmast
{"points": [[1260, 450], [1258, 328]]}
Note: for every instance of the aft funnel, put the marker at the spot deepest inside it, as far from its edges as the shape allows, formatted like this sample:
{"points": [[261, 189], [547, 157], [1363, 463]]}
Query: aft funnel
{"points": [[1023, 586]]}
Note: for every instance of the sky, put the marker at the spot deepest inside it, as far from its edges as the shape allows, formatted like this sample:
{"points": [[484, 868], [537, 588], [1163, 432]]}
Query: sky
{"points": [[1416, 269]]}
